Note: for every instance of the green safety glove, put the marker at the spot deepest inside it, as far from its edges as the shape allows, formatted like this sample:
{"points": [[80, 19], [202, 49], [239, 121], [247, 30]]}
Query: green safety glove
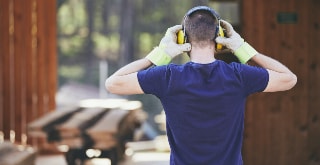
{"points": [[168, 48], [238, 46]]}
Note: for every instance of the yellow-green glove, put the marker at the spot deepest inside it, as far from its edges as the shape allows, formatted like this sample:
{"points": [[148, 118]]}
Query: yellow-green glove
{"points": [[238, 46], [168, 47]]}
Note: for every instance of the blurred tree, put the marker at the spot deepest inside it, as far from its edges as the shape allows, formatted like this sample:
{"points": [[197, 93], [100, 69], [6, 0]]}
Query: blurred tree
{"points": [[117, 31], [87, 48], [126, 32], [60, 3]]}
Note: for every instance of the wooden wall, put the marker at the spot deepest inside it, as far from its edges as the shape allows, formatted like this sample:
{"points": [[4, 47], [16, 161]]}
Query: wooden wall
{"points": [[27, 64], [284, 128]]}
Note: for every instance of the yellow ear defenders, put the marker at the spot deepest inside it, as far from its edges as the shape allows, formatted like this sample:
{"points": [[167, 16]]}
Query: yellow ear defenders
{"points": [[181, 35], [221, 34]]}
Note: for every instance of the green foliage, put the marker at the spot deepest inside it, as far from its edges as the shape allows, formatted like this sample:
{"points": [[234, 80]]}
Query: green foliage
{"points": [[146, 42], [69, 47], [74, 72], [82, 45], [106, 46], [71, 18], [87, 34]]}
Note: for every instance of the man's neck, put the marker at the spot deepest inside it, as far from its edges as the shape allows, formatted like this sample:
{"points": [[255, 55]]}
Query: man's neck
{"points": [[202, 55]]}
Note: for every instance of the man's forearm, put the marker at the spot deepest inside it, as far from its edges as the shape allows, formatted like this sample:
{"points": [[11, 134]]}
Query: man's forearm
{"points": [[125, 81], [270, 63], [280, 77], [133, 67]]}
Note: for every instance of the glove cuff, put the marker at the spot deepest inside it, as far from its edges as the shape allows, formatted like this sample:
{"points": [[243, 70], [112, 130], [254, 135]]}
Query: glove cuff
{"points": [[158, 57], [245, 52]]}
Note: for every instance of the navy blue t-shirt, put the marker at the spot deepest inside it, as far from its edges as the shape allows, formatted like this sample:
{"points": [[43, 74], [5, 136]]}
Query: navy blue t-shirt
{"points": [[204, 106]]}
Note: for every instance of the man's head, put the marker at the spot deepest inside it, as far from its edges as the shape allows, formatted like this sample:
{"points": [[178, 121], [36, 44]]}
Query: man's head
{"points": [[201, 26]]}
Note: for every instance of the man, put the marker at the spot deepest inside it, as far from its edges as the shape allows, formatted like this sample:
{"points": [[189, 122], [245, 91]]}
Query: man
{"points": [[204, 99]]}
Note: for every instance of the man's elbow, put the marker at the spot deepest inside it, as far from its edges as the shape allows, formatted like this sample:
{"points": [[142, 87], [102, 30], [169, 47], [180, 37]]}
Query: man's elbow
{"points": [[111, 85], [290, 82], [282, 83], [293, 81]]}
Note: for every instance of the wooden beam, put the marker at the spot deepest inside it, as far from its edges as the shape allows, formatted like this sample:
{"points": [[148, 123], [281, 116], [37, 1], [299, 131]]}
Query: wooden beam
{"points": [[27, 63], [4, 49]]}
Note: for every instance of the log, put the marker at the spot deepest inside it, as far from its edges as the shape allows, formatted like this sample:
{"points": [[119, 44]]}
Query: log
{"points": [[105, 145], [109, 123], [11, 154], [105, 124], [102, 103], [79, 122], [41, 126], [75, 142]]}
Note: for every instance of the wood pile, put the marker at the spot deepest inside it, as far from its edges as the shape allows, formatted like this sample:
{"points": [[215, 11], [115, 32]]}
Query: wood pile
{"points": [[97, 123], [11, 154]]}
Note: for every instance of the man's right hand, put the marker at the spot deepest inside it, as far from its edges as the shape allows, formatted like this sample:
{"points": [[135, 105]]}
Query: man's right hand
{"points": [[169, 42], [168, 48]]}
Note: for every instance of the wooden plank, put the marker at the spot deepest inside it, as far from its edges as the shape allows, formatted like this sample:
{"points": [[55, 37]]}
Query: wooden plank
{"points": [[255, 115], [254, 111], [31, 96], [40, 63], [313, 36], [26, 47], [108, 128], [297, 141], [74, 142], [46, 33], [10, 154], [278, 125], [104, 145], [108, 123], [26, 157], [102, 136], [19, 63], [4, 48], [50, 10], [80, 121], [95, 126], [18, 45], [102, 103], [5, 72], [47, 122]]}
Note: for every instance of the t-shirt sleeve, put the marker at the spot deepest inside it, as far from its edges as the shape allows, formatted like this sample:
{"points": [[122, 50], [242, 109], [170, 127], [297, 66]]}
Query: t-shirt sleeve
{"points": [[255, 79], [153, 80]]}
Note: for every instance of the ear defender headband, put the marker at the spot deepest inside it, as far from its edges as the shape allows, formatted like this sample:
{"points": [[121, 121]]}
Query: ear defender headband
{"points": [[182, 37]]}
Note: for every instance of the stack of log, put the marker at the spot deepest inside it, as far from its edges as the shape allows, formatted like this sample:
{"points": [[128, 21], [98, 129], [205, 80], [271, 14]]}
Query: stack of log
{"points": [[11, 154], [98, 123]]}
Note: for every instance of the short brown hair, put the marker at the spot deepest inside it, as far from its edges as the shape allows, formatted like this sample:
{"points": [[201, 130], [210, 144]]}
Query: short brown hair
{"points": [[200, 27]]}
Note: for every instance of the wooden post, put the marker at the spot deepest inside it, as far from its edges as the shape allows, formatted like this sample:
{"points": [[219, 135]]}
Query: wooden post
{"points": [[27, 64], [4, 49]]}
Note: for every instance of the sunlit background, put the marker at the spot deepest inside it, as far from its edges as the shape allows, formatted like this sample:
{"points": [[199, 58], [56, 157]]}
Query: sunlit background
{"points": [[56, 55], [97, 37]]}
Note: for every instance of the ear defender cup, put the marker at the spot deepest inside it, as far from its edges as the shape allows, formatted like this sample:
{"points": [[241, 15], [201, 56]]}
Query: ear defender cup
{"points": [[221, 34], [181, 35]]}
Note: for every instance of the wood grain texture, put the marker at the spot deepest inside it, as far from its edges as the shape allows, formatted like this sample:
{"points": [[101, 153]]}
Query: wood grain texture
{"points": [[28, 63], [282, 128]]}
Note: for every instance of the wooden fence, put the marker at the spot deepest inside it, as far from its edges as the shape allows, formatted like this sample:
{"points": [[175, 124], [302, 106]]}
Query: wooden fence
{"points": [[27, 64]]}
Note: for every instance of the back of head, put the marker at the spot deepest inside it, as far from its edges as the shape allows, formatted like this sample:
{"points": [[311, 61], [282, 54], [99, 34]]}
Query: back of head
{"points": [[201, 27]]}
